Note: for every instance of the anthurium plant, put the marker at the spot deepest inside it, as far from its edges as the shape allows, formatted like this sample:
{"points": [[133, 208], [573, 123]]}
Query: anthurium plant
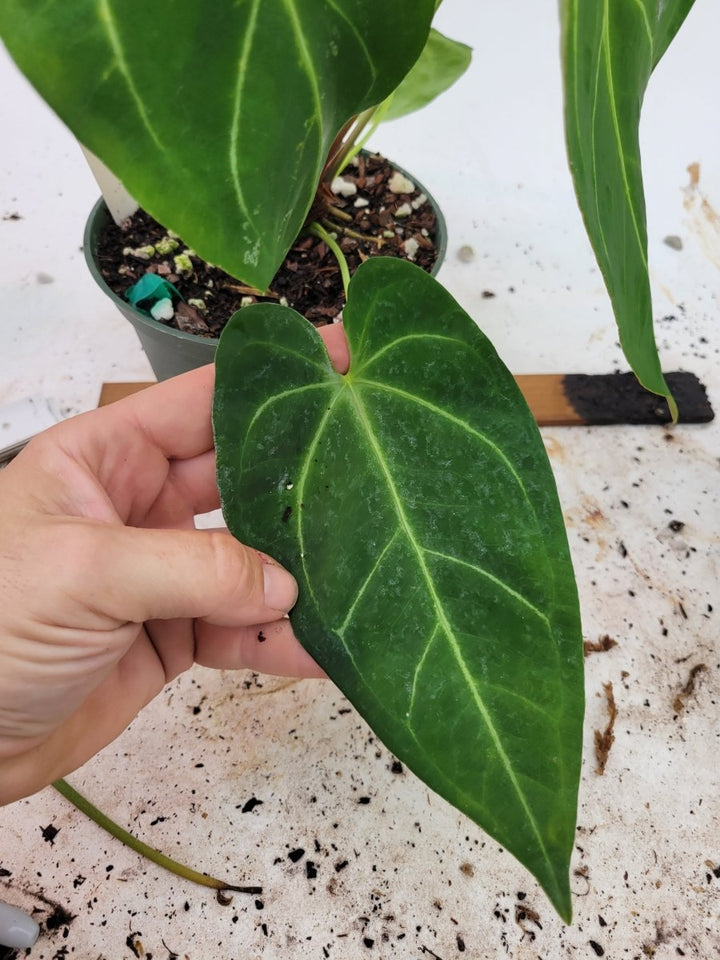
{"points": [[411, 495]]}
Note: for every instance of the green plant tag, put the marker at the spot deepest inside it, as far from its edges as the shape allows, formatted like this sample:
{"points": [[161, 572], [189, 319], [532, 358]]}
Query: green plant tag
{"points": [[413, 500]]}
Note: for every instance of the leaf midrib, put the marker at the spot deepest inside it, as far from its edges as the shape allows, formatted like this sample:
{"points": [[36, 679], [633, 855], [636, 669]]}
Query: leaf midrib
{"points": [[442, 619]]}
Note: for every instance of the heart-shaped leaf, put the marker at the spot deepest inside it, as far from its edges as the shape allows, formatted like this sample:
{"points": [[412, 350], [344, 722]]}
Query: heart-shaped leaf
{"points": [[218, 115], [610, 48], [413, 500]]}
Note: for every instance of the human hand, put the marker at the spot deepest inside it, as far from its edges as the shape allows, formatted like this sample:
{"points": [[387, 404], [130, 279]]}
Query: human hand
{"points": [[107, 591]]}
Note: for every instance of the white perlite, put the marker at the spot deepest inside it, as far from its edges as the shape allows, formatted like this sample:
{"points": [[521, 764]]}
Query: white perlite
{"points": [[404, 210], [399, 183], [361, 202], [162, 310], [411, 247], [140, 253], [343, 188]]}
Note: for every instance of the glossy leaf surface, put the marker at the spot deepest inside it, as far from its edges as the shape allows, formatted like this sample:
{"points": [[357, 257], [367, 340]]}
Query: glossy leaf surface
{"points": [[610, 48], [413, 500], [442, 62], [216, 115]]}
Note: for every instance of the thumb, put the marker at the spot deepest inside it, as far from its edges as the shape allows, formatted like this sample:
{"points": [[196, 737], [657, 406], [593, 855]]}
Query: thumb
{"points": [[135, 574]]}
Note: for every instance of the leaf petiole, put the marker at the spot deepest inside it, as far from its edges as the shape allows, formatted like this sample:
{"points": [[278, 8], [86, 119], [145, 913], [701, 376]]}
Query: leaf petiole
{"points": [[322, 234], [179, 869]]}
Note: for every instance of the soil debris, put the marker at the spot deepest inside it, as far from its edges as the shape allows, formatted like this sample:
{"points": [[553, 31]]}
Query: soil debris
{"points": [[681, 698], [601, 645], [605, 739]]}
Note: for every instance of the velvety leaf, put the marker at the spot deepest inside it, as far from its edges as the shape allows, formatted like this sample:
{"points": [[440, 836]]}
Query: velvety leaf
{"points": [[442, 62], [217, 116], [413, 500], [610, 48]]}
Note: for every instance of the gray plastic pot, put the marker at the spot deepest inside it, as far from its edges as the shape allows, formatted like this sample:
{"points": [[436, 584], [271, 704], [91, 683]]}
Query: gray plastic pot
{"points": [[170, 351]]}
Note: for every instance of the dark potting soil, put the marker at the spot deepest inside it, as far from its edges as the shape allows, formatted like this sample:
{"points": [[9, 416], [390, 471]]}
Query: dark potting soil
{"points": [[373, 221]]}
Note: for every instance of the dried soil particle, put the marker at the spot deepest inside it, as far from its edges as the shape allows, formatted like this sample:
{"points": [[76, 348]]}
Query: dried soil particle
{"points": [[251, 804], [60, 917], [687, 691], [602, 645], [309, 279], [296, 855], [605, 740], [135, 945], [49, 833]]}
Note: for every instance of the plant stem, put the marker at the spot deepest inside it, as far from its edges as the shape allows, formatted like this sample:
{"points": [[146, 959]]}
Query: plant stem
{"points": [[63, 787], [366, 124], [340, 214], [319, 231], [346, 231]]}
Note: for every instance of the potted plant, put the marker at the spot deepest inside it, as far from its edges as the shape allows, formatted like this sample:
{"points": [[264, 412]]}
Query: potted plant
{"points": [[412, 496]]}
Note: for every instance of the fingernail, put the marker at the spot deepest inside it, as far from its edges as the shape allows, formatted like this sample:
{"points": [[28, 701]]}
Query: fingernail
{"points": [[280, 587], [17, 928]]}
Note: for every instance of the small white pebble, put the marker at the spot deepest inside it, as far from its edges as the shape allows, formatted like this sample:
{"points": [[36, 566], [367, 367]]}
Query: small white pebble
{"points": [[198, 304], [399, 183], [162, 310], [247, 301], [283, 301], [361, 202], [140, 253], [343, 188], [404, 210], [389, 234], [466, 254], [411, 247], [419, 201]]}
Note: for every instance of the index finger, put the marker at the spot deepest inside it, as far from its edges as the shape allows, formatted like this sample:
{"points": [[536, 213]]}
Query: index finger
{"points": [[174, 415]]}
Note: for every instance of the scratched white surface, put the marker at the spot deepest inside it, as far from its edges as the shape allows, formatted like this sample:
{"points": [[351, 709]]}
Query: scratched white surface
{"points": [[388, 870]]}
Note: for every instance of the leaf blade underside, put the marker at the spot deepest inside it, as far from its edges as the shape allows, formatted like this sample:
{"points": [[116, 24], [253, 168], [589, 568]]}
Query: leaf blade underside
{"points": [[610, 49], [423, 526]]}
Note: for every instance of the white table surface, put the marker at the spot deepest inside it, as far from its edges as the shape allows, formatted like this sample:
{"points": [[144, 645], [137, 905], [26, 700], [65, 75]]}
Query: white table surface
{"points": [[420, 880]]}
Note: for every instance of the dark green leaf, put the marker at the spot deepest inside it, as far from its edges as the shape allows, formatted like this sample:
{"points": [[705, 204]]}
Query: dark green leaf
{"points": [[610, 48], [413, 500], [217, 115], [442, 62]]}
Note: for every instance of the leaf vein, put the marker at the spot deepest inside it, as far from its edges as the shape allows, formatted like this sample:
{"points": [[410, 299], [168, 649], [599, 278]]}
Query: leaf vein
{"points": [[446, 627], [497, 581], [107, 21]]}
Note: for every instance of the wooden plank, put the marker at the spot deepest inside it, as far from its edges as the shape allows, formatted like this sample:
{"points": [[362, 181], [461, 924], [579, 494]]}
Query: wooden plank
{"points": [[566, 400], [545, 396]]}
